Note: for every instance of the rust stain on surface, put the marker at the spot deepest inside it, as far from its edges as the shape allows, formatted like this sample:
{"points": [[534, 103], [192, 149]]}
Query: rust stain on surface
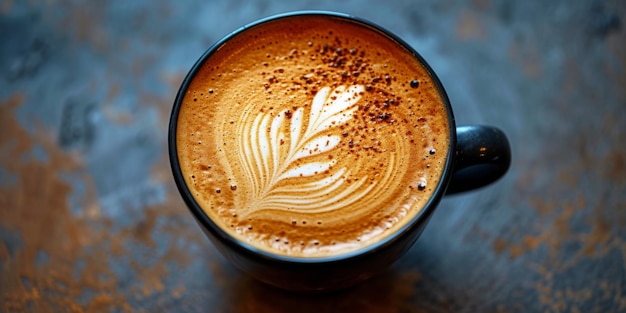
{"points": [[64, 260], [470, 26], [5, 6], [35, 207], [529, 58]]}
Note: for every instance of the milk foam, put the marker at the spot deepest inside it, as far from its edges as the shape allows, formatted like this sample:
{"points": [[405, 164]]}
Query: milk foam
{"points": [[319, 145]]}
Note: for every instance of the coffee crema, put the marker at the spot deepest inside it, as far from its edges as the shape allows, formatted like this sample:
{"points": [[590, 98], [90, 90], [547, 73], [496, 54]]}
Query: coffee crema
{"points": [[312, 136]]}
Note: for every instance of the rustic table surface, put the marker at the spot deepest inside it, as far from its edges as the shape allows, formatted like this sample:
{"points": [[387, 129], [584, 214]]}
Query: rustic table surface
{"points": [[90, 219]]}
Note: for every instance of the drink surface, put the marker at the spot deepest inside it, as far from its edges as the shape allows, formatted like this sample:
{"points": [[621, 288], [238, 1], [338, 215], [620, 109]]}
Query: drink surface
{"points": [[312, 136]]}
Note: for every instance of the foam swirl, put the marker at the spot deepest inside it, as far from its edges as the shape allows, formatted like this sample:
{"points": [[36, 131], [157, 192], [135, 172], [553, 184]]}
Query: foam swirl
{"points": [[285, 146]]}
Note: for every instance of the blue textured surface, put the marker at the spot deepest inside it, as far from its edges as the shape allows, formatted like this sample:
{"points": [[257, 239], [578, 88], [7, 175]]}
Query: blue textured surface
{"points": [[90, 219]]}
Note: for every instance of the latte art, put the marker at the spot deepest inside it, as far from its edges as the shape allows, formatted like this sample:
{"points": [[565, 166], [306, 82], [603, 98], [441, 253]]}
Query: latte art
{"points": [[294, 144], [311, 137]]}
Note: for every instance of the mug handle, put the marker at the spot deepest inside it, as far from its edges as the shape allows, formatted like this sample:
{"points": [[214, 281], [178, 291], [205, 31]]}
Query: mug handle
{"points": [[483, 155]]}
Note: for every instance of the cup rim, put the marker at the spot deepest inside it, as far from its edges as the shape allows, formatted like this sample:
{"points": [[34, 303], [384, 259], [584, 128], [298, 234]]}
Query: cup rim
{"points": [[214, 229]]}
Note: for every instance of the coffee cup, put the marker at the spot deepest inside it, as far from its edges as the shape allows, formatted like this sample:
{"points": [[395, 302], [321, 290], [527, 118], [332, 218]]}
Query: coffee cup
{"points": [[312, 148]]}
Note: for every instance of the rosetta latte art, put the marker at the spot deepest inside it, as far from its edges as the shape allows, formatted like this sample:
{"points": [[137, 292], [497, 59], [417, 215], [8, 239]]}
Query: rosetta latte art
{"points": [[288, 145]]}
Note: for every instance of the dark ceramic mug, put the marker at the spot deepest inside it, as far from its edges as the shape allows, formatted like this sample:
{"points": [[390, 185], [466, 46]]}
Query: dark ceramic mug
{"points": [[477, 156]]}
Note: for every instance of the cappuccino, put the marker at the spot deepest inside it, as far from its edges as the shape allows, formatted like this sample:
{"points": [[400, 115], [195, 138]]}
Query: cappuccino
{"points": [[312, 136]]}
